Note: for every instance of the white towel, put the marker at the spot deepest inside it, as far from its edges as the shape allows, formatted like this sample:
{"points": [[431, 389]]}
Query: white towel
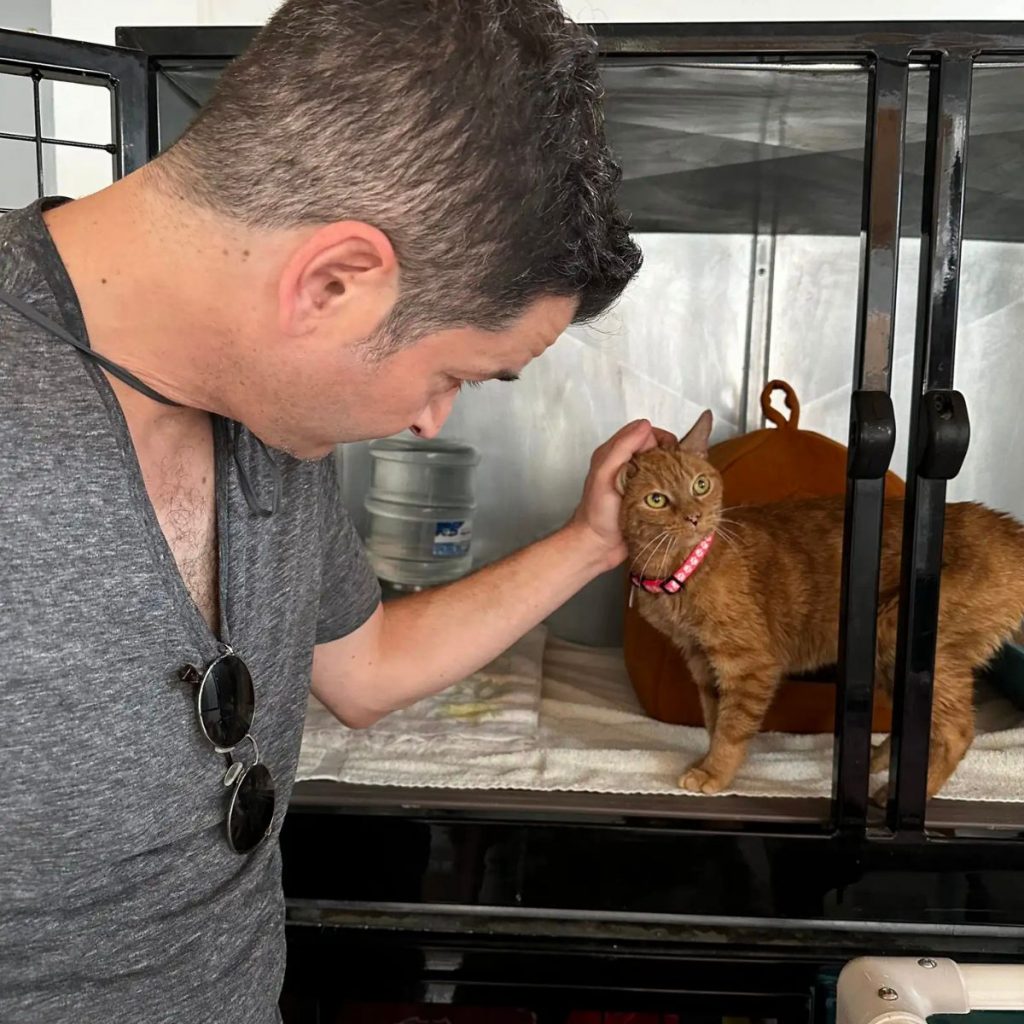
{"points": [[495, 709], [592, 736]]}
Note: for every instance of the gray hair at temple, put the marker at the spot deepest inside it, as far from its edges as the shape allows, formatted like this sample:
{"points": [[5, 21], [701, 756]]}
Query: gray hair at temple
{"points": [[470, 132]]}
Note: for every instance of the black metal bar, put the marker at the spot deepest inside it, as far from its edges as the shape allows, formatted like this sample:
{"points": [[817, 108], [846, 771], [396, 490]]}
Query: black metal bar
{"points": [[108, 147], [38, 137], [872, 436], [820, 39], [65, 60], [213, 42], [124, 71], [949, 103], [855, 39]]}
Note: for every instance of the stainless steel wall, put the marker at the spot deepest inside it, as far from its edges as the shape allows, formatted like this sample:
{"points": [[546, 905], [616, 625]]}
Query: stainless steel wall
{"points": [[768, 165], [679, 342]]}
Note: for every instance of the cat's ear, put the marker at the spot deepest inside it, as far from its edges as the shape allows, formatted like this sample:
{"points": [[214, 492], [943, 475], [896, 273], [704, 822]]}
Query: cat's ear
{"points": [[696, 441], [623, 476]]}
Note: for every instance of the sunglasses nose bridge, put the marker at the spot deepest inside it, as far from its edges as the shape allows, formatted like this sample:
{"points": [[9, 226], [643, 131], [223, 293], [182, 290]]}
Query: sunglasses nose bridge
{"points": [[241, 764], [226, 709]]}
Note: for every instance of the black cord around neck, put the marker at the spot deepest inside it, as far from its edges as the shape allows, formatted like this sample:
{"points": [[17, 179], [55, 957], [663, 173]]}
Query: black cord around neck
{"points": [[126, 376]]}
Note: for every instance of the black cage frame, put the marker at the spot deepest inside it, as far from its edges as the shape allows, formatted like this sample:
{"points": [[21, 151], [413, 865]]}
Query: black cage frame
{"points": [[939, 428]]}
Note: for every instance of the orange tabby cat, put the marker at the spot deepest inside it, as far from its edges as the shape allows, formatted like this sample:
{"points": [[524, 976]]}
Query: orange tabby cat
{"points": [[760, 599]]}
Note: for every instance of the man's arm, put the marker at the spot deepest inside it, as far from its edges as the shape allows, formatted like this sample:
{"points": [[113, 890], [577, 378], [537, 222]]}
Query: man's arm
{"points": [[418, 645]]}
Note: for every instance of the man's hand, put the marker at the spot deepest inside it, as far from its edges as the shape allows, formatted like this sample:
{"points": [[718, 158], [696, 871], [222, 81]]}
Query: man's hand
{"points": [[399, 655], [598, 511]]}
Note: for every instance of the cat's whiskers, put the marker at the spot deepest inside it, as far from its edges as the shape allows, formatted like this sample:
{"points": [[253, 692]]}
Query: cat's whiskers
{"points": [[728, 538], [731, 522], [726, 531], [640, 553], [665, 538], [665, 560], [728, 523]]}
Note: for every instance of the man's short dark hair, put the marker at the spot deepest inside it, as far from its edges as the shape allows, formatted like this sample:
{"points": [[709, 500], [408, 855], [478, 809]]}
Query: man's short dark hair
{"points": [[470, 132]]}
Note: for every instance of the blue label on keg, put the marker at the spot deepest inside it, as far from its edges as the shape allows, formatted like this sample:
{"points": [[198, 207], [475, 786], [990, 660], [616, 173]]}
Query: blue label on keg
{"points": [[452, 538]]}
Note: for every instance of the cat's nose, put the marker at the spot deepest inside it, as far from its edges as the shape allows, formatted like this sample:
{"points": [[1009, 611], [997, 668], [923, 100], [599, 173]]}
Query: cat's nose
{"points": [[693, 518]]}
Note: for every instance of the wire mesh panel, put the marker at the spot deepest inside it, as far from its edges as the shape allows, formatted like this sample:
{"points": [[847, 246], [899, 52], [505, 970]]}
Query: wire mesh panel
{"points": [[72, 116]]}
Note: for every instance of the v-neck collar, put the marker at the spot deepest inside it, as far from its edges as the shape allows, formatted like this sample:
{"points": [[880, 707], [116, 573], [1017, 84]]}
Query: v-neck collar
{"points": [[164, 562], [165, 565]]}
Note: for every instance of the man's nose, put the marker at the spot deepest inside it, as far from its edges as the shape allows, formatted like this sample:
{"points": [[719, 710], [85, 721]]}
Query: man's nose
{"points": [[429, 423]]}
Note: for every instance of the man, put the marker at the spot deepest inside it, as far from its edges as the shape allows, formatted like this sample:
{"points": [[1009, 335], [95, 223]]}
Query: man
{"points": [[384, 200]]}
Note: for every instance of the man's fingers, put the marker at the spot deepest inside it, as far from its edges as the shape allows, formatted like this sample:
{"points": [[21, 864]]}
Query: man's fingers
{"points": [[614, 453], [635, 437]]}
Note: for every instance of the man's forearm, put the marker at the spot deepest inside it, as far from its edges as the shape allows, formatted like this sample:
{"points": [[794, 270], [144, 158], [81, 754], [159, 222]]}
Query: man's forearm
{"points": [[418, 645], [433, 639]]}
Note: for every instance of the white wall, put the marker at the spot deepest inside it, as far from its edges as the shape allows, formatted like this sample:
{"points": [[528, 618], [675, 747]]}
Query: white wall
{"points": [[95, 20], [82, 113], [18, 182]]}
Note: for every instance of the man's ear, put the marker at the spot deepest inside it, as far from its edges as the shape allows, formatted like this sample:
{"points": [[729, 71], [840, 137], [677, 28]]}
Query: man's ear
{"points": [[336, 265], [696, 441], [628, 470]]}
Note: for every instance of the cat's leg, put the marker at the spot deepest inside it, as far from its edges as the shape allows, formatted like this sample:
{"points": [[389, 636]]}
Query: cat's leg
{"points": [[880, 756], [743, 702], [952, 718], [707, 688]]}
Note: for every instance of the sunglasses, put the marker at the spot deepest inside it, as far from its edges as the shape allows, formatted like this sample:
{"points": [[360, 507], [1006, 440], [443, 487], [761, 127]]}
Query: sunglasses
{"points": [[226, 707]]}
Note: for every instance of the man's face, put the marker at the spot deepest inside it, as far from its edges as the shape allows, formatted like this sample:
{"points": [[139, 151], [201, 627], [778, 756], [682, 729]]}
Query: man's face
{"points": [[339, 393]]}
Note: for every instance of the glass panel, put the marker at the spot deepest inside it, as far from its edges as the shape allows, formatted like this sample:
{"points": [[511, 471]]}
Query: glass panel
{"points": [[704, 148], [990, 324], [181, 91]]}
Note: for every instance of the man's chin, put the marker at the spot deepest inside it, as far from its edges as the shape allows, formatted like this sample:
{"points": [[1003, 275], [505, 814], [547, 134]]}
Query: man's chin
{"points": [[304, 451], [311, 453]]}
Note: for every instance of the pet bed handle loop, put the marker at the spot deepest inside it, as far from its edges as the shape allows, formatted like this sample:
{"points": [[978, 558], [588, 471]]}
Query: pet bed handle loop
{"points": [[792, 404]]}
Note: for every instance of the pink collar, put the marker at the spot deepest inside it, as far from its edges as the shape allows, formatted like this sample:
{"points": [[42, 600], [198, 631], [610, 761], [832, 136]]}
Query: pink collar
{"points": [[677, 580]]}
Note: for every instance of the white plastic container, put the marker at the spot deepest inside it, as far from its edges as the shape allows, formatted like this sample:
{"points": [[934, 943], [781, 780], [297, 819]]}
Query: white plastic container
{"points": [[413, 472], [420, 511]]}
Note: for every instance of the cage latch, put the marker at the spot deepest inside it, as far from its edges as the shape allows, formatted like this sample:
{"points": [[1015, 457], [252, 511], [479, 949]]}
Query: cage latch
{"points": [[944, 433], [872, 435]]}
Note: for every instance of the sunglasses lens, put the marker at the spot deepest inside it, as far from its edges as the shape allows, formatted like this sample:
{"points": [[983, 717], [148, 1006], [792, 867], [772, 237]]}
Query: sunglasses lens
{"points": [[252, 809], [227, 701]]}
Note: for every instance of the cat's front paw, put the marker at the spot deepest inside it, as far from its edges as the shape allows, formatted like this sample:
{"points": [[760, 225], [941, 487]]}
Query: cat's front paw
{"points": [[697, 780], [880, 757]]}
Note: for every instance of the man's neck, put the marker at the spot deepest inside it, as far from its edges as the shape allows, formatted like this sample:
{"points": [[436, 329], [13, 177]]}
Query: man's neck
{"points": [[146, 288]]}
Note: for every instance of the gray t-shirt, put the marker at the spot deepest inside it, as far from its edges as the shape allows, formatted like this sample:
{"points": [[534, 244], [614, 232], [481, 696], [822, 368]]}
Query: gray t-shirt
{"points": [[120, 899]]}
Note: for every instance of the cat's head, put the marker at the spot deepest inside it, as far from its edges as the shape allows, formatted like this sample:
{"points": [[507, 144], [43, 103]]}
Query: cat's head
{"points": [[671, 499]]}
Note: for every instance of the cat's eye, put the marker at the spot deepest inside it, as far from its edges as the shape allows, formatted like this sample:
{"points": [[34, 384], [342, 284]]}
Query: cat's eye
{"points": [[701, 485], [656, 500]]}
